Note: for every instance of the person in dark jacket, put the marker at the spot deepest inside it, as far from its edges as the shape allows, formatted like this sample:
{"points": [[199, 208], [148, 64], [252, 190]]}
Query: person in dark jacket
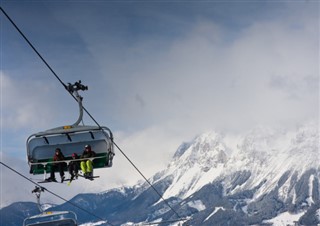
{"points": [[86, 164], [73, 166], [58, 157]]}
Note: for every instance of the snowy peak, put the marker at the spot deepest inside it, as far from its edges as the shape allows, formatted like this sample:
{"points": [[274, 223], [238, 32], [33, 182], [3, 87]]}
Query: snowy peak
{"points": [[306, 141], [206, 150], [193, 163], [270, 147], [304, 151]]}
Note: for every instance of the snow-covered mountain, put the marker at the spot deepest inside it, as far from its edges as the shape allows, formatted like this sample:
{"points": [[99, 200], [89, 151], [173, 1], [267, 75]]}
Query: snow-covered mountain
{"points": [[261, 158], [263, 177], [265, 173]]}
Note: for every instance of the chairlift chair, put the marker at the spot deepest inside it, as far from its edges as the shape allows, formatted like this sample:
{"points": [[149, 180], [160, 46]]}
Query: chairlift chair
{"points": [[70, 139], [54, 218], [50, 218]]}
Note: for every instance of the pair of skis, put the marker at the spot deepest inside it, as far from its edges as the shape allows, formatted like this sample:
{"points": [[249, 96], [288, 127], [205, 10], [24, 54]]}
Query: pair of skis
{"points": [[69, 180], [85, 177]]}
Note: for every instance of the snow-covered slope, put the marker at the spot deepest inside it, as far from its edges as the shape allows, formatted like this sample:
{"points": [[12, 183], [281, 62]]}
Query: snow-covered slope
{"points": [[195, 164]]}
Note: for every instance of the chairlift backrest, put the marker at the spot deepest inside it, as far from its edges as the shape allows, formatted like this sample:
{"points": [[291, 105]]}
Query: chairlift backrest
{"points": [[59, 218], [64, 222]]}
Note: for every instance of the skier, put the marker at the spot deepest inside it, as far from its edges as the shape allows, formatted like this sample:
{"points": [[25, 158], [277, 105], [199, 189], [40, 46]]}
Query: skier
{"points": [[86, 164], [73, 167], [59, 165]]}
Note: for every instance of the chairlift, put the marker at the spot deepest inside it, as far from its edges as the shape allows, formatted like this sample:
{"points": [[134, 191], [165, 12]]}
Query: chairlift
{"points": [[54, 218], [70, 139], [50, 218]]}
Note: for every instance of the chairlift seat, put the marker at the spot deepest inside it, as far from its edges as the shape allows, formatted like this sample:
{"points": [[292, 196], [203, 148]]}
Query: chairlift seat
{"points": [[99, 161]]}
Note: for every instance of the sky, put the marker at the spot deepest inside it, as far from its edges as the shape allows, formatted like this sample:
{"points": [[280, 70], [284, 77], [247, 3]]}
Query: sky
{"points": [[159, 73]]}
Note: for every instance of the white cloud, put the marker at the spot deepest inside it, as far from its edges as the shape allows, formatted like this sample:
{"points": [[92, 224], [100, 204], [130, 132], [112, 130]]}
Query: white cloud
{"points": [[150, 150], [202, 82], [13, 187], [25, 103]]}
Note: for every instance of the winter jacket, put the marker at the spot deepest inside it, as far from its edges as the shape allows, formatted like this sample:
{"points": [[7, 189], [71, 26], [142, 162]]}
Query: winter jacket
{"points": [[87, 154]]}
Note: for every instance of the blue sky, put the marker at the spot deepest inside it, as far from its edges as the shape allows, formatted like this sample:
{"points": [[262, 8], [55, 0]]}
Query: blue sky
{"points": [[158, 73]]}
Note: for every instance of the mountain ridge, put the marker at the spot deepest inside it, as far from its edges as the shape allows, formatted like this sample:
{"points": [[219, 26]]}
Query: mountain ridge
{"points": [[251, 155]]}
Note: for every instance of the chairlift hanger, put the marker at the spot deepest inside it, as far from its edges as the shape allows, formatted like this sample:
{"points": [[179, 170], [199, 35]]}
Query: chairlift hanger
{"points": [[70, 139], [49, 218]]}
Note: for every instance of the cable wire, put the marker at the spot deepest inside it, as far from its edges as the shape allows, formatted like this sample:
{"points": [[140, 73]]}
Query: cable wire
{"points": [[65, 86], [58, 196], [45, 62], [34, 49], [165, 201]]}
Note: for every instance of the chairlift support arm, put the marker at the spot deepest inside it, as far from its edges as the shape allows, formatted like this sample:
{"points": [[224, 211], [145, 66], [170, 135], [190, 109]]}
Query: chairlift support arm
{"points": [[37, 190], [73, 89]]}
